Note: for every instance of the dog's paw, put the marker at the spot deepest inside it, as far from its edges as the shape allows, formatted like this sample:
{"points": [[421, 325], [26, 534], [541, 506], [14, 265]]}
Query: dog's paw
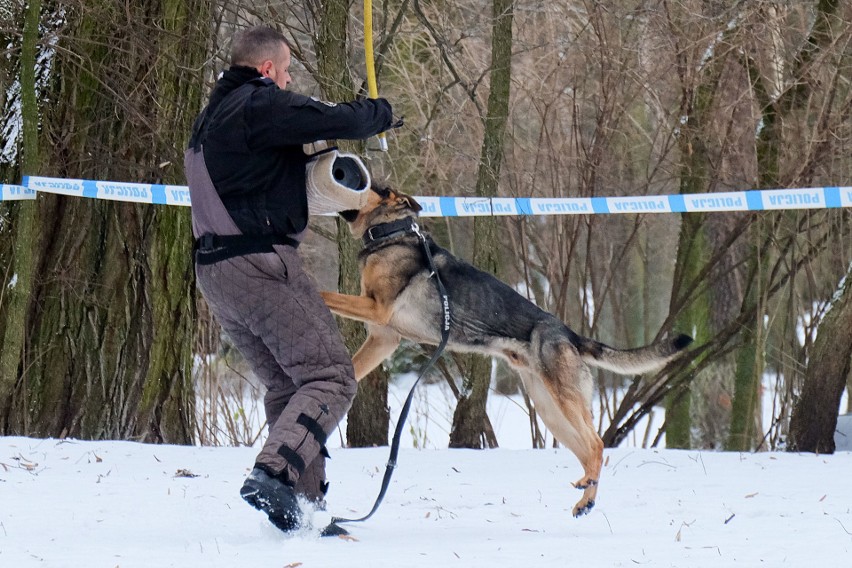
{"points": [[585, 483], [583, 507]]}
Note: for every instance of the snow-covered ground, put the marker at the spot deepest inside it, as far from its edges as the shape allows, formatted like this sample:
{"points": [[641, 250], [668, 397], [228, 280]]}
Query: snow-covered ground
{"points": [[69, 503], [121, 504], [107, 504]]}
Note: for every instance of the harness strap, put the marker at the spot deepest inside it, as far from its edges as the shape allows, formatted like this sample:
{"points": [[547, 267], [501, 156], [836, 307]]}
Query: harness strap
{"points": [[400, 423], [210, 249]]}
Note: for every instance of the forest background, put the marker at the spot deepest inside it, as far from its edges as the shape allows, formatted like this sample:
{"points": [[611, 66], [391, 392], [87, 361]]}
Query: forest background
{"points": [[103, 335]]}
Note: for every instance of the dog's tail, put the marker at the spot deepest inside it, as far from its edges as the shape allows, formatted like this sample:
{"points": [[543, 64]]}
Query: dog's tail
{"points": [[632, 361]]}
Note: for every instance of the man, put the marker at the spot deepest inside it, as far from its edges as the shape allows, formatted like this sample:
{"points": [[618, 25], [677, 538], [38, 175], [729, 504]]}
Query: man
{"points": [[246, 171]]}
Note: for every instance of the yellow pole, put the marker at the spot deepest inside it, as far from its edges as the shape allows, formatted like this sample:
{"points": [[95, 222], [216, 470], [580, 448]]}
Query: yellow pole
{"points": [[372, 88]]}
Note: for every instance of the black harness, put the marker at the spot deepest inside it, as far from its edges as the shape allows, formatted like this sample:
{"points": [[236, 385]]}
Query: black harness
{"points": [[376, 235]]}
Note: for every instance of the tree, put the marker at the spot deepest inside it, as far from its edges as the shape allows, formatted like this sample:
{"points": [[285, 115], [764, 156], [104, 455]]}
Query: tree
{"points": [[368, 419], [691, 298], [607, 99], [23, 256], [779, 107], [470, 421], [109, 318], [814, 417]]}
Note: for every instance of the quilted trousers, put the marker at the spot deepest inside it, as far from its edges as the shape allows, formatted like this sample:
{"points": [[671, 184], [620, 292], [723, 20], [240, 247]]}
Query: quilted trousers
{"points": [[273, 313]]}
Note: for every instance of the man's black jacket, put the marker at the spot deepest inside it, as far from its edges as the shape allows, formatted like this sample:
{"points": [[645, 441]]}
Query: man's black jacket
{"points": [[252, 134]]}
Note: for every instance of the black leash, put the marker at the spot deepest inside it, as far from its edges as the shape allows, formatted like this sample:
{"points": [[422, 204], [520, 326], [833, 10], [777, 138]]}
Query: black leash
{"points": [[445, 335]]}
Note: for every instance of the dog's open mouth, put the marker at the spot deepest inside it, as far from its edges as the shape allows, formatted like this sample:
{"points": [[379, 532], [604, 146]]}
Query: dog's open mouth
{"points": [[349, 215]]}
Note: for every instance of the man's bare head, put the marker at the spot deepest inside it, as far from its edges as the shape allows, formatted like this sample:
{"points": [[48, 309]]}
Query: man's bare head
{"points": [[266, 50]]}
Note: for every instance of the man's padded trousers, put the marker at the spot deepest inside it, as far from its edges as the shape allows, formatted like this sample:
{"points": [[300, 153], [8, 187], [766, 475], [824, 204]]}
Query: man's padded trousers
{"points": [[272, 312]]}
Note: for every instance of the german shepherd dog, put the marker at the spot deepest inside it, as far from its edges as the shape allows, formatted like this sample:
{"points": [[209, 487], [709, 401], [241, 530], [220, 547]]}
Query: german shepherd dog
{"points": [[399, 299]]}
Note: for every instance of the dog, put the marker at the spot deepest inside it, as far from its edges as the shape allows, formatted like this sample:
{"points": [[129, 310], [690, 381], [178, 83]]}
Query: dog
{"points": [[399, 299]]}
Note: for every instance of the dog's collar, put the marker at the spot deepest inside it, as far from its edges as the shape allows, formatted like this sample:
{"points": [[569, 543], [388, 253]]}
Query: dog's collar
{"points": [[386, 231]]}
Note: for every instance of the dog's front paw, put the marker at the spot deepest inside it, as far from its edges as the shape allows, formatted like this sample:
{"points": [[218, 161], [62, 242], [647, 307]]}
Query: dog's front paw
{"points": [[583, 507]]}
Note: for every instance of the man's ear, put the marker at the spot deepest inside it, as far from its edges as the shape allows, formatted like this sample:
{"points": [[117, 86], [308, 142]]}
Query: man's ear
{"points": [[264, 67]]}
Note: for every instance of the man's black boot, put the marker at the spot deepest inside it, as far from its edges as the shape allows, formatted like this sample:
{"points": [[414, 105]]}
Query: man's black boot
{"points": [[274, 497]]}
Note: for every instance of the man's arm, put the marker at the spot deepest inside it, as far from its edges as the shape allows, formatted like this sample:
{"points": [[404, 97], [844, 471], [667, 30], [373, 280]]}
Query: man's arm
{"points": [[297, 119]]}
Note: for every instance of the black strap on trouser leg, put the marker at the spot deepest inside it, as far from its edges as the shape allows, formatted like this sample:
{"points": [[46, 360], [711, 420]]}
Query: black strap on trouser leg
{"points": [[314, 428], [445, 335]]}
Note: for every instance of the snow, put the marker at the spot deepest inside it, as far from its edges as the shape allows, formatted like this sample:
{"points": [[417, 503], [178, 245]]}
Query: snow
{"points": [[71, 503], [431, 416], [843, 433], [75, 503], [10, 125]]}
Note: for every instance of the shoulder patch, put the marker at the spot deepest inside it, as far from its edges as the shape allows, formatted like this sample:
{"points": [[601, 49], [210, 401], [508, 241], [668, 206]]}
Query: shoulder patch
{"points": [[326, 103]]}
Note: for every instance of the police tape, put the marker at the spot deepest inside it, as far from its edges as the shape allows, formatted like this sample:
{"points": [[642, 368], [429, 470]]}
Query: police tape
{"points": [[15, 192], [752, 200]]}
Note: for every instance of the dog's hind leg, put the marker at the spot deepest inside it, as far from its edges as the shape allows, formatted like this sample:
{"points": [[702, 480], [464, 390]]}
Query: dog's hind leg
{"points": [[570, 383], [561, 387], [588, 447], [380, 344], [568, 417]]}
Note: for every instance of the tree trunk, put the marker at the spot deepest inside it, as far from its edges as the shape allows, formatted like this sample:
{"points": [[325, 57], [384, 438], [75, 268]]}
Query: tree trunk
{"points": [[470, 418], [744, 432], [110, 320], [368, 419], [691, 300], [692, 254], [24, 256], [814, 417]]}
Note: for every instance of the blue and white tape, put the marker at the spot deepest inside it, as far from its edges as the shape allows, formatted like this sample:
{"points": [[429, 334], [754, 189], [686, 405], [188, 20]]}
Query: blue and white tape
{"points": [[753, 200], [15, 192], [116, 191]]}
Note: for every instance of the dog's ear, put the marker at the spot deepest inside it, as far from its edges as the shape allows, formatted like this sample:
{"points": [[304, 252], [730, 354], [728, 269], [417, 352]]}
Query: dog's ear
{"points": [[411, 203], [381, 191]]}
